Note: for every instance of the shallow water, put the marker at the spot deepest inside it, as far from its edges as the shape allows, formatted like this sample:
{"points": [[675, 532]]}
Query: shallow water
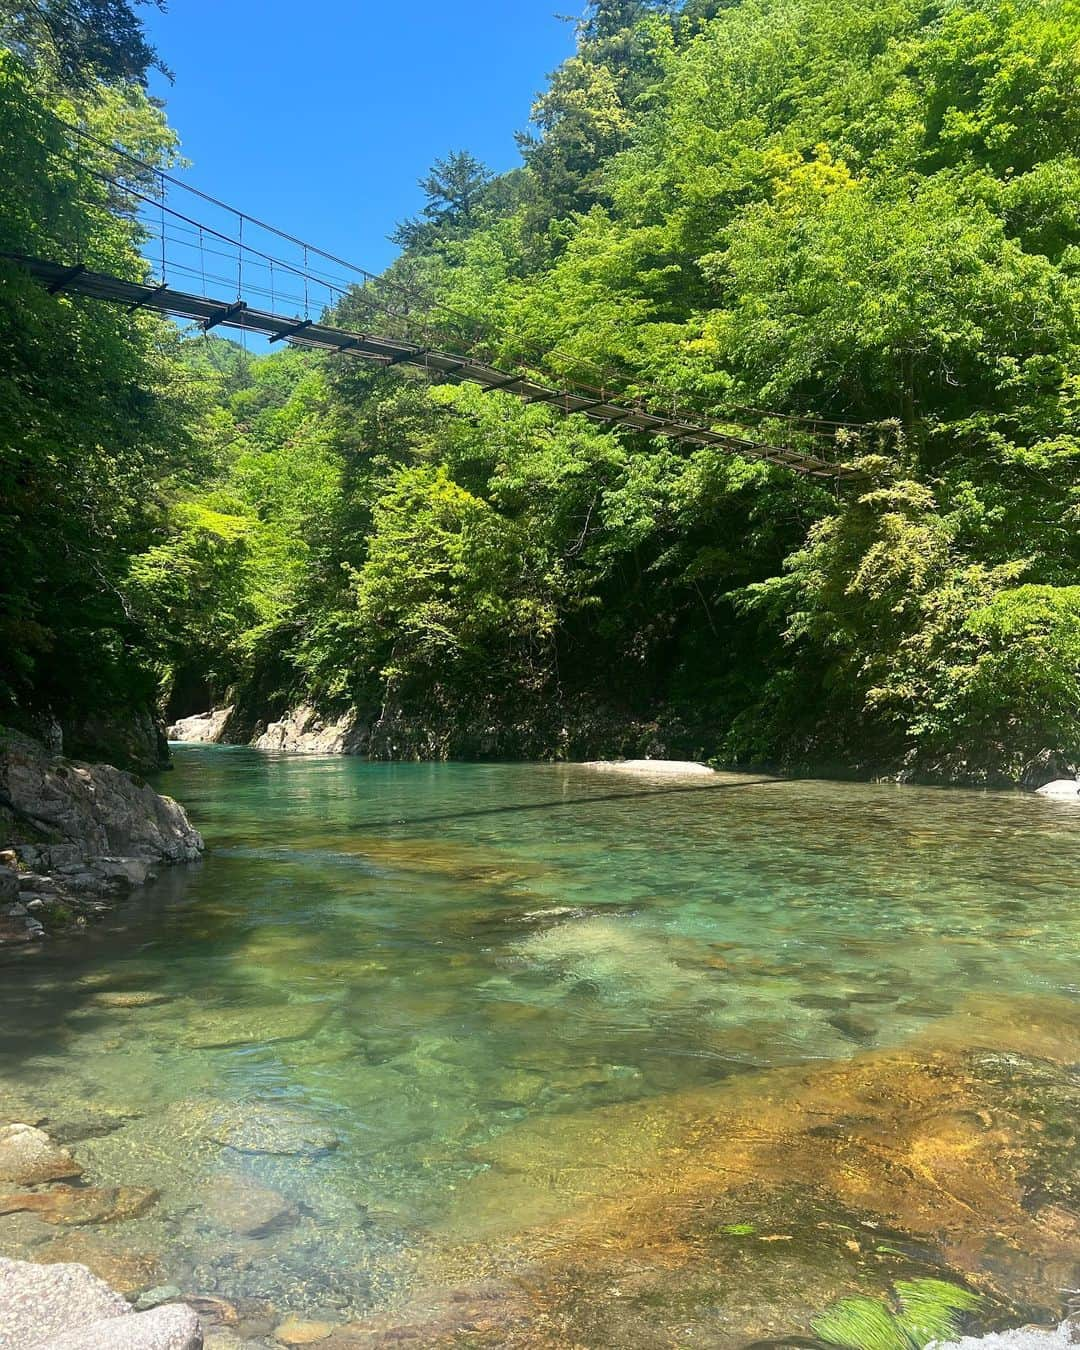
{"points": [[451, 1012]]}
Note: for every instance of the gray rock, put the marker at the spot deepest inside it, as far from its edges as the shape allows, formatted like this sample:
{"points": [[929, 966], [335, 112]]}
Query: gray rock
{"points": [[105, 812], [303, 731], [33, 882], [1047, 767], [124, 871], [1065, 788], [37, 1302], [64, 1307], [29, 1157], [9, 883], [174, 1326]]}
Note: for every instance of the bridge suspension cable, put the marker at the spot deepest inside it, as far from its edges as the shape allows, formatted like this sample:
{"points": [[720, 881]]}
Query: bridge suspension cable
{"points": [[337, 310]]}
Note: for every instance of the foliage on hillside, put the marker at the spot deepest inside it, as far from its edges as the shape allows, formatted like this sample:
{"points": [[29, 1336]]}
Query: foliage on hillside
{"points": [[814, 206], [97, 412]]}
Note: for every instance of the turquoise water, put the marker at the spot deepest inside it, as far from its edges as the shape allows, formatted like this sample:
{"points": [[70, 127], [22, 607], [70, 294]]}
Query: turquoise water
{"points": [[379, 972]]}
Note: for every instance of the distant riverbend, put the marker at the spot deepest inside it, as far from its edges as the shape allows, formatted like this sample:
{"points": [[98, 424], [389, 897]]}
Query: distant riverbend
{"points": [[545, 1056]]}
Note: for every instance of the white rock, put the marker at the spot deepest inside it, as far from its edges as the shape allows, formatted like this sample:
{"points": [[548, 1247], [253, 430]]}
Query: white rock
{"points": [[303, 732], [202, 728], [1023, 1338], [1061, 787], [653, 768]]}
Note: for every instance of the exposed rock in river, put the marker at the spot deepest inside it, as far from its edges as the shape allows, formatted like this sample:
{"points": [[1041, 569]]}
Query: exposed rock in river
{"points": [[65, 1307], [653, 768], [1068, 789], [304, 731], [80, 834], [202, 728]]}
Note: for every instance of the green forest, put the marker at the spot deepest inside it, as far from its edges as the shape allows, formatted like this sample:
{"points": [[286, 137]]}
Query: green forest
{"points": [[827, 209]]}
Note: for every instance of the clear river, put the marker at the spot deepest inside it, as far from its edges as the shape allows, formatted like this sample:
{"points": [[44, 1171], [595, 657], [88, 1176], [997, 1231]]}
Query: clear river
{"points": [[539, 1055]]}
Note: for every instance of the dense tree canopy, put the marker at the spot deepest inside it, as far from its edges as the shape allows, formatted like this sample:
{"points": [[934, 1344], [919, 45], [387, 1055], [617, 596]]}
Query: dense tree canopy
{"points": [[818, 207]]}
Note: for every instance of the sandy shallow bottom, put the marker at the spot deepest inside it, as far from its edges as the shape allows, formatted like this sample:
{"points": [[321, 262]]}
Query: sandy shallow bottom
{"points": [[663, 1072]]}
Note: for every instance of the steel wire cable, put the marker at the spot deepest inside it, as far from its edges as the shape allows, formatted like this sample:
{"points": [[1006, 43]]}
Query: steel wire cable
{"points": [[811, 426]]}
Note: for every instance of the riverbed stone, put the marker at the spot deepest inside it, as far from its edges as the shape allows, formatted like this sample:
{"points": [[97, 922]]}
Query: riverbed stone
{"points": [[75, 1205], [1064, 788], [233, 1028], [256, 1128], [89, 1122], [128, 998], [28, 1157], [152, 1298], [241, 1205], [124, 1269], [300, 1331]]}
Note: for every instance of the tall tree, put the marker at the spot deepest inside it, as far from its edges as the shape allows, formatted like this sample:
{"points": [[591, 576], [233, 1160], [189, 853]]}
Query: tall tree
{"points": [[80, 42], [454, 188]]}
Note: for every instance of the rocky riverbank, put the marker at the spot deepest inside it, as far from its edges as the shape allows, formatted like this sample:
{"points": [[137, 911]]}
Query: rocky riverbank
{"points": [[76, 837]]}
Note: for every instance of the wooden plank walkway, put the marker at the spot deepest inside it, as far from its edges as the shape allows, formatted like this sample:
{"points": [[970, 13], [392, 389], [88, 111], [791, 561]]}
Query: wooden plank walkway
{"points": [[384, 351]]}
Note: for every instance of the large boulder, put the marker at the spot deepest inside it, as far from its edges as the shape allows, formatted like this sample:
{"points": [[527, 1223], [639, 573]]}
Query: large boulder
{"points": [[28, 1157], [201, 728], [304, 731], [64, 1307], [105, 812], [1068, 789]]}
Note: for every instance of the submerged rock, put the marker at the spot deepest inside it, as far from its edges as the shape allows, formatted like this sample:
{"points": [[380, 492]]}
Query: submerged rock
{"points": [[299, 1331], [29, 1157], [118, 1265], [265, 1129], [229, 1028], [240, 1205], [66, 1307], [82, 1204]]}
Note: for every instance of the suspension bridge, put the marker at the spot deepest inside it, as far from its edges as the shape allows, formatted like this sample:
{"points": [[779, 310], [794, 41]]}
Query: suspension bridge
{"points": [[292, 292]]}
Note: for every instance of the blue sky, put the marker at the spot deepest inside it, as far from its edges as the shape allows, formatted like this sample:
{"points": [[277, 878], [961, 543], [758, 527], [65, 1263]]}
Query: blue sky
{"points": [[320, 116]]}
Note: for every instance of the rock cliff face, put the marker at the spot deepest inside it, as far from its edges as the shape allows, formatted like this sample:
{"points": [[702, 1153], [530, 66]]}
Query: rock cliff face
{"points": [[304, 731], [77, 835]]}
